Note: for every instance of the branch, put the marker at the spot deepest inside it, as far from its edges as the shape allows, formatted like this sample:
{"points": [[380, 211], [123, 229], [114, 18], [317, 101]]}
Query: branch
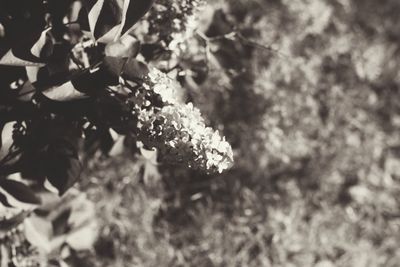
{"points": [[237, 35]]}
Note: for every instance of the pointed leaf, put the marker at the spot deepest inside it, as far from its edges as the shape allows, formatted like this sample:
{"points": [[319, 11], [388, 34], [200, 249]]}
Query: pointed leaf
{"points": [[43, 46], [6, 139], [10, 59], [20, 191], [64, 92], [4, 201], [136, 10], [134, 69], [63, 167], [94, 14], [118, 147]]}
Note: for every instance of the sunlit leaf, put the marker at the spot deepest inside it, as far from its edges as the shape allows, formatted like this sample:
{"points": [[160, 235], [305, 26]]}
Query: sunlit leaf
{"points": [[11, 60], [43, 47], [84, 237], [151, 175], [64, 92], [6, 139], [149, 155], [38, 232], [136, 10], [118, 147], [109, 20]]}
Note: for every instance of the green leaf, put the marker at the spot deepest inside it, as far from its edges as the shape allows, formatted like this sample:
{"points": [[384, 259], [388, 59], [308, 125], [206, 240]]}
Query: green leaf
{"points": [[20, 191]]}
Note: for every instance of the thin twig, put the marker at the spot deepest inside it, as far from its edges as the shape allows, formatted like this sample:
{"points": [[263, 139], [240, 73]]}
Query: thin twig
{"points": [[236, 35]]}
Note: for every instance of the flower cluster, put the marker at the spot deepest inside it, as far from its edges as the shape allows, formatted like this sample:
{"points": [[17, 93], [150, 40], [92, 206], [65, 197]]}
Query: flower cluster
{"points": [[177, 129], [180, 134], [168, 89], [15, 249], [173, 21]]}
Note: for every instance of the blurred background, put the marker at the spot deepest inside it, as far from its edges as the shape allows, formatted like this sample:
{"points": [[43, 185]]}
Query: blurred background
{"points": [[307, 92]]}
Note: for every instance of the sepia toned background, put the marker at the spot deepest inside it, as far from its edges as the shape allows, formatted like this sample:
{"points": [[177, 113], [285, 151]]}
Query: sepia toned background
{"points": [[307, 93]]}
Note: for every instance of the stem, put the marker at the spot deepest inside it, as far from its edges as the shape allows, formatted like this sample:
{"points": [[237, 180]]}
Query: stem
{"points": [[236, 35], [27, 93]]}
